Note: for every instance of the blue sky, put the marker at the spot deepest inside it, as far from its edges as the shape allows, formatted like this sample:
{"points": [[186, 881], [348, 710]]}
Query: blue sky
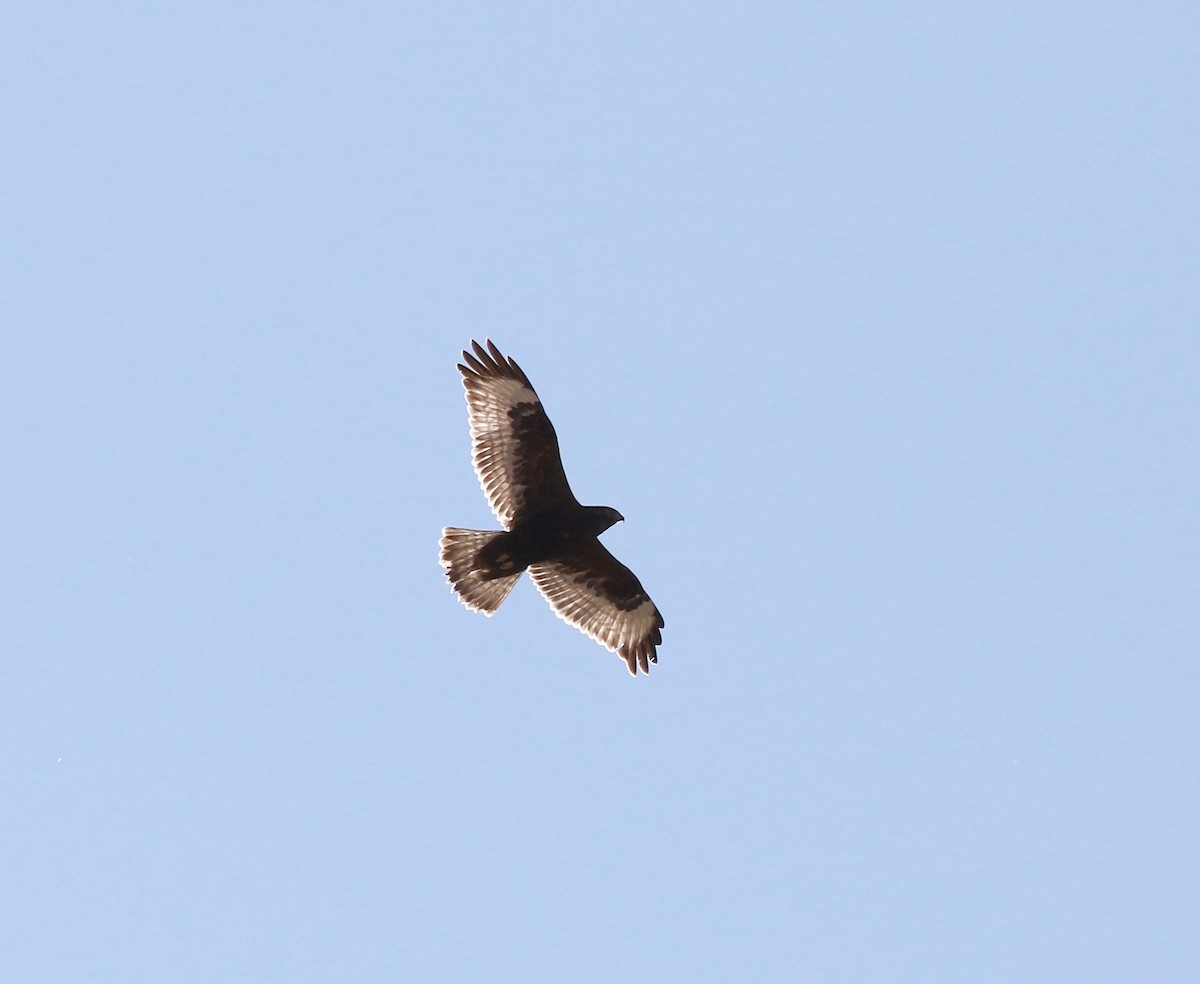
{"points": [[877, 322]]}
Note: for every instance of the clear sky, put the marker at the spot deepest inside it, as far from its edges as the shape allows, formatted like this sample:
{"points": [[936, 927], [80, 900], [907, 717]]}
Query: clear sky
{"points": [[879, 322]]}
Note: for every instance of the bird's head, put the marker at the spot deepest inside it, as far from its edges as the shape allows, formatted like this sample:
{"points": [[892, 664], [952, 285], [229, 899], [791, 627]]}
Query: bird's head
{"points": [[603, 517]]}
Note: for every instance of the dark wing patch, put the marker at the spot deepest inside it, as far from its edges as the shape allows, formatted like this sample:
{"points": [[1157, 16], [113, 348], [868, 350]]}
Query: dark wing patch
{"points": [[513, 444], [601, 597]]}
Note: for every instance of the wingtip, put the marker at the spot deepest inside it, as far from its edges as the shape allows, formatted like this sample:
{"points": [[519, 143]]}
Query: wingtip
{"points": [[481, 359], [638, 660], [488, 360], [473, 365]]}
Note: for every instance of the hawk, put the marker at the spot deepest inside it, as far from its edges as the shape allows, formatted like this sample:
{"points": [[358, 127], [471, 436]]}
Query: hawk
{"points": [[546, 530]]}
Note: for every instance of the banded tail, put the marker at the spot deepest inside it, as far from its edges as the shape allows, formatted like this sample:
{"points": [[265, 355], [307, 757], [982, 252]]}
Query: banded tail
{"points": [[459, 548]]}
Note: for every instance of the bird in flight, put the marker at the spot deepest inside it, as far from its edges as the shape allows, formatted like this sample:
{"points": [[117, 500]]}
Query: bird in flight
{"points": [[546, 530]]}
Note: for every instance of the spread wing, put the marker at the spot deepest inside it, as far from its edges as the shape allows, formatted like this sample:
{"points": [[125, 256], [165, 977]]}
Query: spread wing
{"points": [[600, 596], [513, 444]]}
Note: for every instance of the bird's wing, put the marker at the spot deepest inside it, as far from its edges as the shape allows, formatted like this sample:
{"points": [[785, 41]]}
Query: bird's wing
{"points": [[600, 596], [513, 444]]}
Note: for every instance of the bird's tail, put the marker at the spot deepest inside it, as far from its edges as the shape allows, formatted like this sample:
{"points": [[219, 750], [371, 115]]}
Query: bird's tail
{"points": [[459, 548]]}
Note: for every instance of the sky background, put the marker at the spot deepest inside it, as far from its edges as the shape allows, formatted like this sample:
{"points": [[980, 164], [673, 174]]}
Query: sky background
{"points": [[880, 323]]}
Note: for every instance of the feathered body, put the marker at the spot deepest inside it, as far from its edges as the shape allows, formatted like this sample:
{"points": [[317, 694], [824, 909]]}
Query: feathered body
{"points": [[547, 532]]}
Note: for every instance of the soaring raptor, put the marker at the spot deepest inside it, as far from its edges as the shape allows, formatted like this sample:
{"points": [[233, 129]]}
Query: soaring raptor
{"points": [[546, 530]]}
